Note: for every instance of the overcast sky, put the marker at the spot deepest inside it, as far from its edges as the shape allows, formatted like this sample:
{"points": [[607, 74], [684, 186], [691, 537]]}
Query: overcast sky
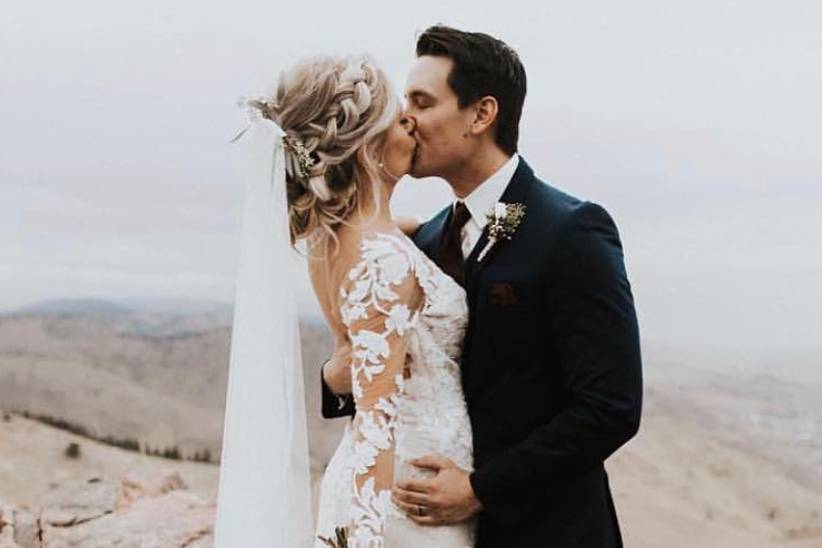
{"points": [[696, 124]]}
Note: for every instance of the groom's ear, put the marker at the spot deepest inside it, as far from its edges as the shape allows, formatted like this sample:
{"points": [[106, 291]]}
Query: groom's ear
{"points": [[486, 110]]}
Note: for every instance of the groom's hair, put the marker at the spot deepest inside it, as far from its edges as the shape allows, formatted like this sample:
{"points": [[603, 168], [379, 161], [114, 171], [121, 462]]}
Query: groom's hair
{"points": [[483, 65]]}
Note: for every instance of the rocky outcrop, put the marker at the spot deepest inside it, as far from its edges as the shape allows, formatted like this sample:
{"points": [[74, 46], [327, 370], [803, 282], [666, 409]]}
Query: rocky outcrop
{"points": [[140, 510]]}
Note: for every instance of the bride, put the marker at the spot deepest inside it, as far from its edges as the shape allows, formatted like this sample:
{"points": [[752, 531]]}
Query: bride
{"points": [[340, 145]]}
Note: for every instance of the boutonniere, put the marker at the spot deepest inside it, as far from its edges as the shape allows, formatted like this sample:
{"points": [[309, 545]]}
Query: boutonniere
{"points": [[503, 221]]}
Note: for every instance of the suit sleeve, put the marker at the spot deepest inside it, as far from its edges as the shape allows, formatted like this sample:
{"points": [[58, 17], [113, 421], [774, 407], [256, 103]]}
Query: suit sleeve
{"points": [[593, 321]]}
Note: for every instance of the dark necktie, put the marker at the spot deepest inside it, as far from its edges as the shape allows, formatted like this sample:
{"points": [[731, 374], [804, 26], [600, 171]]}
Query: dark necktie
{"points": [[450, 257]]}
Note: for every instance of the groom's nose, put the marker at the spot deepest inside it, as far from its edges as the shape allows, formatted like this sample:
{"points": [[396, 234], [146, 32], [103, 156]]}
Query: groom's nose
{"points": [[408, 123]]}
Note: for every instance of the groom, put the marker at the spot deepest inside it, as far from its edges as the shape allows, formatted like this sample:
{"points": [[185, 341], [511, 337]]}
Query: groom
{"points": [[551, 367]]}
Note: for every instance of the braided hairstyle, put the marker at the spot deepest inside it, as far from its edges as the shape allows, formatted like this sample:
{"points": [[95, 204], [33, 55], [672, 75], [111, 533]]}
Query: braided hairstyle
{"points": [[339, 108]]}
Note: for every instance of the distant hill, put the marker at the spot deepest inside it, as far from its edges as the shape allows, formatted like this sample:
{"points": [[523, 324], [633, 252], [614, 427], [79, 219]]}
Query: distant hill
{"points": [[675, 485], [95, 307], [156, 317], [180, 307], [159, 377], [722, 458]]}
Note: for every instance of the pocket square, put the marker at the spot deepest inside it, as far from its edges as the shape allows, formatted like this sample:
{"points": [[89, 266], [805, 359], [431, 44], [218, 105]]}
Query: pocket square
{"points": [[503, 294]]}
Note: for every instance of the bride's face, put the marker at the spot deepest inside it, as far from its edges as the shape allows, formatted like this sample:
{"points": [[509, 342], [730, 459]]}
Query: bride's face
{"points": [[398, 148]]}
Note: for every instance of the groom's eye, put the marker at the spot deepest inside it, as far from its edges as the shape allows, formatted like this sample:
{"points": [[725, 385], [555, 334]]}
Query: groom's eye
{"points": [[421, 101]]}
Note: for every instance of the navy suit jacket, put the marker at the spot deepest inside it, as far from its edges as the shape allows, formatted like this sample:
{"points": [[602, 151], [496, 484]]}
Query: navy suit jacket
{"points": [[551, 369]]}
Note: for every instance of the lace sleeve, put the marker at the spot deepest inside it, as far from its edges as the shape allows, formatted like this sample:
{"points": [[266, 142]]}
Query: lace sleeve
{"points": [[381, 302]]}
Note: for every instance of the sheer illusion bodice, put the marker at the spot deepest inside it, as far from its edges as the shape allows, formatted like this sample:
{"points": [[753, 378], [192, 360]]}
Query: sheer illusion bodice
{"points": [[401, 313]]}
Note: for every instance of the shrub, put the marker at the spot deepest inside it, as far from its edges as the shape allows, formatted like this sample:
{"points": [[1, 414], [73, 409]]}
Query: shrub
{"points": [[73, 450]]}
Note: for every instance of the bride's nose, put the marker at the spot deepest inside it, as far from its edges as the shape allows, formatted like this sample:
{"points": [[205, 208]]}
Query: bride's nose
{"points": [[408, 123]]}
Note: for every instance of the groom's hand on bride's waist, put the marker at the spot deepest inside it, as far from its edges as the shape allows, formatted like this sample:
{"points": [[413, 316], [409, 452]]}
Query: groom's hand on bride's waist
{"points": [[445, 498]]}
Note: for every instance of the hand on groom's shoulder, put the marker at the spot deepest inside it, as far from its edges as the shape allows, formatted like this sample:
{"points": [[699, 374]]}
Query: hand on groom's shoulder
{"points": [[409, 225]]}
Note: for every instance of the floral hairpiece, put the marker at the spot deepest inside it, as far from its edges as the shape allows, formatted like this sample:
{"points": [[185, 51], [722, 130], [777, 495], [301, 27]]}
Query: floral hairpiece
{"points": [[300, 160]]}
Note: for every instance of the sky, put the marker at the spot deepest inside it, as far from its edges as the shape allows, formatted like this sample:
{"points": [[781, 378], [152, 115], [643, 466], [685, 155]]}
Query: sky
{"points": [[695, 124]]}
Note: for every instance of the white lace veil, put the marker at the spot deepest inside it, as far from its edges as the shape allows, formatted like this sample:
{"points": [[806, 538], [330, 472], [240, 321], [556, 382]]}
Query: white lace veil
{"points": [[264, 488]]}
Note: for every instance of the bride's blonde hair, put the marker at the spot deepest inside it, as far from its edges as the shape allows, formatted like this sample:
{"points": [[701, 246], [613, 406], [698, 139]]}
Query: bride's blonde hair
{"points": [[339, 109]]}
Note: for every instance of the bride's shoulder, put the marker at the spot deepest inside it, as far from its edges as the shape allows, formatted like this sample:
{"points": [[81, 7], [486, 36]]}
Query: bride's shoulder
{"points": [[388, 241], [385, 247], [375, 241], [384, 270]]}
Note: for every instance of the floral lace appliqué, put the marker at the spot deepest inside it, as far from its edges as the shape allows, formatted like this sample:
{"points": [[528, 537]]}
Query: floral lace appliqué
{"points": [[379, 303]]}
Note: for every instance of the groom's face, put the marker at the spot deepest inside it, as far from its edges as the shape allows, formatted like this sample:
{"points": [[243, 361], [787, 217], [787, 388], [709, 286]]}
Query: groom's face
{"points": [[441, 126]]}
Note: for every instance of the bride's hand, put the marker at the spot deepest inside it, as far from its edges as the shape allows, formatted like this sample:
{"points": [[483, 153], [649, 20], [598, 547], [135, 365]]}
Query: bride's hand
{"points": [[337, 371], [408, 225]]}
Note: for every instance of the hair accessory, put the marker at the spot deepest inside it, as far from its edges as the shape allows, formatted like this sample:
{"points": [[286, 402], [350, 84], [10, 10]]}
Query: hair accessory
{"points": [[304, 161], [300, 161]]}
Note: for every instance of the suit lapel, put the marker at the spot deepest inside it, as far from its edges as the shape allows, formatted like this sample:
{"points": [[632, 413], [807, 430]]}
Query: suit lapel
{"points": [[429, 235], [515, 192]]}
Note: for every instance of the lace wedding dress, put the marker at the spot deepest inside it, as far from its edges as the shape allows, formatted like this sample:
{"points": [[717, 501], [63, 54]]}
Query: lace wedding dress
{"points": [[406, 321]]}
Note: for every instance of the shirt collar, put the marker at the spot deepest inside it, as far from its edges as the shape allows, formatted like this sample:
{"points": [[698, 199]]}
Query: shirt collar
{"points": [[482, 199]]}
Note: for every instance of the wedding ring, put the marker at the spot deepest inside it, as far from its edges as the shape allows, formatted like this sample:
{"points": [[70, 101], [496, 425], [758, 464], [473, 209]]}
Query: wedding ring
{"points": [[419, 510]]}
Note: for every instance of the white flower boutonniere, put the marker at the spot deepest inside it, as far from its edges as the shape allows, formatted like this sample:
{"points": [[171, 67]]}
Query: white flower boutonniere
{"points": [[503, 221]]}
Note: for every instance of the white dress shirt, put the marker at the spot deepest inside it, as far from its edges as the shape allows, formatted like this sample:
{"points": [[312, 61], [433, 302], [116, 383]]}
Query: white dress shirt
{"points": [[482, 200]]}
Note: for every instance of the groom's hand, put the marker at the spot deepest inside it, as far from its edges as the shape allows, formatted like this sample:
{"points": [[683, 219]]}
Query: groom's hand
{"points": [[337, 371], [446, 498]]}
